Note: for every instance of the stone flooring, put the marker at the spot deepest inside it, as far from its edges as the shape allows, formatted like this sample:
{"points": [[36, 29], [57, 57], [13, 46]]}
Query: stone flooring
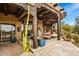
{"points": [[53, 47], [10, 49], [56, 48]]}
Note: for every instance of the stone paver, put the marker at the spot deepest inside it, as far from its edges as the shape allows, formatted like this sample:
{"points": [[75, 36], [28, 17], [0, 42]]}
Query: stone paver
{"points": [[57, 48], [11, 49], [52, 48]]}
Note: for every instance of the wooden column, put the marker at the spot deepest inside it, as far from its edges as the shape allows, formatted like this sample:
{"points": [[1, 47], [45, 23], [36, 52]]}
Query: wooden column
{"points": [[5, 8], [34, 27], [58, 28], [1, 31]]}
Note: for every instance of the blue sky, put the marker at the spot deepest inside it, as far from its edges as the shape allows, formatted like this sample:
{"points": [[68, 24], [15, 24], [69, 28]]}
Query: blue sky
{"points": [[72, 10]]}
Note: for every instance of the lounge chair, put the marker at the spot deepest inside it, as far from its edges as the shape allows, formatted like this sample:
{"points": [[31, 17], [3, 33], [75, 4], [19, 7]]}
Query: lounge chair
{"points": [[54, 35], [47, 35]]}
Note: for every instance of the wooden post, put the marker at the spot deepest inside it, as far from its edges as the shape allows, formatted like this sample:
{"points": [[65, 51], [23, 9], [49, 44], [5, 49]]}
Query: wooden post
{"points": [[12, 31], [5, 8], [1, 32], [34, 27], [58, 28]]}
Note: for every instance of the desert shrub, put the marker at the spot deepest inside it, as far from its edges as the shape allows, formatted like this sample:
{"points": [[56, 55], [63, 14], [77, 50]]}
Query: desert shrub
{"points": [[72, 37], [75, 37], [67, 28], [68, 35]]}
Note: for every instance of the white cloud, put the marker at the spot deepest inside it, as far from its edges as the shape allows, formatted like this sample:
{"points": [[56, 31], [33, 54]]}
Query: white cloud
{"points": [[72, 8], [71, 13]]}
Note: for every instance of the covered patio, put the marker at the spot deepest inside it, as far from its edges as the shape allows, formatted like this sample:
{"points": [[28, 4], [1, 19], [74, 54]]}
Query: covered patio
{"points": [[42, 16]]}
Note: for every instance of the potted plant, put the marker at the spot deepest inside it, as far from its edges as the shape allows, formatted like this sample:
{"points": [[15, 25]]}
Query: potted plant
{"points": [[41, 40], [13, 39]]}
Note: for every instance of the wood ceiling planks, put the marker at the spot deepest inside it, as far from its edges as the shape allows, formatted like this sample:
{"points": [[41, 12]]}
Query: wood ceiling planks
{"points": [[10, 8], [47, 16]]}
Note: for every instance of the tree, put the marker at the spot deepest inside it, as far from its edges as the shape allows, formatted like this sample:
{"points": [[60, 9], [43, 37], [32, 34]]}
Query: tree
{"points": [[76, 27], [77, 21]]}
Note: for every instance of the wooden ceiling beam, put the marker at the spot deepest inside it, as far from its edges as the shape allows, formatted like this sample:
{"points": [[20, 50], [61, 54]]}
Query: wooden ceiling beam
{"points": [[1, 7], [22, 19], [50, 23], [5, 8], [51, 20], [47, 16], [43, 13], [18, 12], [62, 9], [55, 5], [22, 15], [52, 17], [40, 9]]}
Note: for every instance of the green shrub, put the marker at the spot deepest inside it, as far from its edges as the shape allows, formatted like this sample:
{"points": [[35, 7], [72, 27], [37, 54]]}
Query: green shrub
{"points": [[75, 37], [72, 36], [68, 35]]}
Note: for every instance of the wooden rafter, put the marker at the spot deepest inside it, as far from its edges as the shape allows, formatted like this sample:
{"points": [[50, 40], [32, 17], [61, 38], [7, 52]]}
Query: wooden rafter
{"points": [[47, 16], [18, 12], [22, 19], [1, 8], [62, 9], [55, 5], [40, 9], [43, 13], [50, 23], [52, 17], [5, 8], [51, 20], [31, 17], [22, 15]]}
